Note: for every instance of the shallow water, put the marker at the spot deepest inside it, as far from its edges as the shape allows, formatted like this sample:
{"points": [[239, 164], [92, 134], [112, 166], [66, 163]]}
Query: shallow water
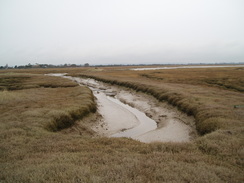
{"points": [[122, 120], [146, 124], [115, 116], [186, 67]]}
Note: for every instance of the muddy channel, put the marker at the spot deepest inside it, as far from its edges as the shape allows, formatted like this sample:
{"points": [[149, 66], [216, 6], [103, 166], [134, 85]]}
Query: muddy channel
{"points": [[126, 113]]}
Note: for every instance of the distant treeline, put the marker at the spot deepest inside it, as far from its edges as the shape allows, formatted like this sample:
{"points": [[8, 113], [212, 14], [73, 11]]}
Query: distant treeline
{"points": [[29, 66]]}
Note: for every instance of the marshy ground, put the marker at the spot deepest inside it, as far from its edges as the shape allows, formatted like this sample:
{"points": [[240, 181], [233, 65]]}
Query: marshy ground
{"points": [[127, 113], [46, 133]]}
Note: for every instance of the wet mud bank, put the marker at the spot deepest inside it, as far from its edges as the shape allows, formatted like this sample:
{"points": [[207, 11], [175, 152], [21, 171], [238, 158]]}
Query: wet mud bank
{"points": [[126, 113]]}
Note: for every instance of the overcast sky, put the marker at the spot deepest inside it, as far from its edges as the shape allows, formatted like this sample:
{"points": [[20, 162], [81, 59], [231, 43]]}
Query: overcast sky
{"points": [[121, 31]]}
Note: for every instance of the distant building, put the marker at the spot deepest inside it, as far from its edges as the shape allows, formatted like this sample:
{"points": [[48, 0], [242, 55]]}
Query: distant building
{"points": [[36, 66]]}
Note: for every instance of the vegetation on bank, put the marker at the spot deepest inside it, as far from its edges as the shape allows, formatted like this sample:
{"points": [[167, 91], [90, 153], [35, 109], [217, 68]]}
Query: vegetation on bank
{"points": [[211, 107], [31, 152], [60, 102]]}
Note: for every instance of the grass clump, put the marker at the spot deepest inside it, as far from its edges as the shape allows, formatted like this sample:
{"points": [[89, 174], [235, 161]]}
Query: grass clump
{"points": [[63, 119], [60, 121]]}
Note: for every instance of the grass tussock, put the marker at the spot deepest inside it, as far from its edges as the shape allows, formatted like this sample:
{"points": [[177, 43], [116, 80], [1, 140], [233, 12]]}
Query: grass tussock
{"points": [[30, 153], [65, 119]]}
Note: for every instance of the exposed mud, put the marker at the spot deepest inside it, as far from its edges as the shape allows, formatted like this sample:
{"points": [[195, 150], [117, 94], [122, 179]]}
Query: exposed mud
{"points": [[144, 118], [172, 125]]}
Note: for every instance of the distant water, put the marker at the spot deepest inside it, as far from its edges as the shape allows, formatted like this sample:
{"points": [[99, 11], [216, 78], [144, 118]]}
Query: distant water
{"points": [[186, 67]]}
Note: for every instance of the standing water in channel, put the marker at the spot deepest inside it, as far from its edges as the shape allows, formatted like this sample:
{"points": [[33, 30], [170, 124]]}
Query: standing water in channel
{"points": [[122, 120]]}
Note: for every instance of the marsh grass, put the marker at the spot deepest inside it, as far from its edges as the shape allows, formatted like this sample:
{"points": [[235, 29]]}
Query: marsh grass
{"points": [[15, 81], [31, 153], [188, 90], [65, 119], [226, 78]]}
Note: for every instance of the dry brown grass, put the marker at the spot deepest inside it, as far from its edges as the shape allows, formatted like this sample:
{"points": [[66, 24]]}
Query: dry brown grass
{"points": [[212, 105], [226, 78], [30, 153], [15, 81]]}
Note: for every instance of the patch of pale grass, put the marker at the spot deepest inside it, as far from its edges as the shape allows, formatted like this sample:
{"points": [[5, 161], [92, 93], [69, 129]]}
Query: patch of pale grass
{"points": [[10, 96]]}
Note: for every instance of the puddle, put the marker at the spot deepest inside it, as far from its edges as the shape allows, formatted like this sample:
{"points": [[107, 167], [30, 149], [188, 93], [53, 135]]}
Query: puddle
{"points": [[121, 120]]}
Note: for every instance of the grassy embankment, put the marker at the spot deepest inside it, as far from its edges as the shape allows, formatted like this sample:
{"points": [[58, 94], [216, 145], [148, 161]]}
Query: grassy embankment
{"points": [[30, 152]]}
